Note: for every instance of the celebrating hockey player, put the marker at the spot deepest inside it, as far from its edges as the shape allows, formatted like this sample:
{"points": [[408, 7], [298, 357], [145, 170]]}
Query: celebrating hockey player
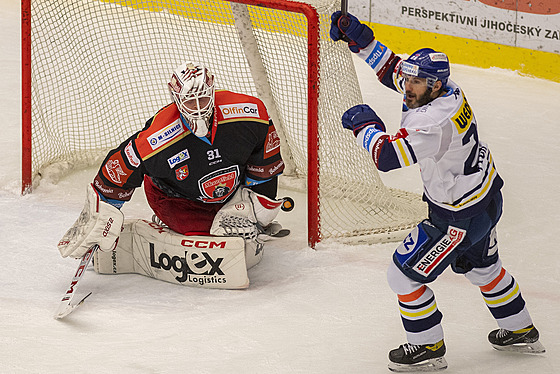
{"points": [[438, 131], [209, 163]]}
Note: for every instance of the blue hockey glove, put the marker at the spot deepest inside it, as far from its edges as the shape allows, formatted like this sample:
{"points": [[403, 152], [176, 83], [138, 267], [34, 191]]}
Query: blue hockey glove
{"points": [[360, 116], [359, 35]]}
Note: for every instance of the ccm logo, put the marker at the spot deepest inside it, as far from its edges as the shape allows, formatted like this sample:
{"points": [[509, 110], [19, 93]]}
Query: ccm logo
{"points": [[108, 227], [202, 244]]}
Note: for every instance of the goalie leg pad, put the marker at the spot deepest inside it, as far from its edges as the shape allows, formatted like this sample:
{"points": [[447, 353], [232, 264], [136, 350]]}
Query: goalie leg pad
{"points": [[200, 261], [253, 252]]}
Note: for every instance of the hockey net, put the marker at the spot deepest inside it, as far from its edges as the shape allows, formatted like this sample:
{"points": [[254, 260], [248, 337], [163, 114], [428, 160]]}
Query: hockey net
{"points": [[98, 70]]}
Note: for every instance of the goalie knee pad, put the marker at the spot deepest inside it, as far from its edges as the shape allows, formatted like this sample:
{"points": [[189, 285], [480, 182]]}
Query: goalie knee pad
{"points": [[201, 261], [426, 251]]}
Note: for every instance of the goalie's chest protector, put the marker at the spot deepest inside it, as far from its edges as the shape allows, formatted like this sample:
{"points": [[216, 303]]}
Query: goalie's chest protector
{"points": [[187, 166]]}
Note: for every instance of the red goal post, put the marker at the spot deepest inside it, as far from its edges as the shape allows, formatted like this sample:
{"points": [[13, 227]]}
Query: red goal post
{"points": [[278, 50]]}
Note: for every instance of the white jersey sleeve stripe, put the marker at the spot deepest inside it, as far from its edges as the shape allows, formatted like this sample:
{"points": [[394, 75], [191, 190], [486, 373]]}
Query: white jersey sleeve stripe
{"points": [[403, 153]]}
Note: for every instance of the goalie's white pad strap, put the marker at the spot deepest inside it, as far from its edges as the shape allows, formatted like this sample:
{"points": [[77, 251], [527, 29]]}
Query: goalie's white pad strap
{"points": [[201, 261], [99, 223]]}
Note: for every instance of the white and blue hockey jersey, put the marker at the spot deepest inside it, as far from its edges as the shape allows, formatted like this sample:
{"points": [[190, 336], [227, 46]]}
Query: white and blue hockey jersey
{"points": [[457, 169]]}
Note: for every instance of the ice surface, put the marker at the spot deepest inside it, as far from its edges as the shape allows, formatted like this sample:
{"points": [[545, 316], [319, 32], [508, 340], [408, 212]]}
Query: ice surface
{"points": [[306, 311]]}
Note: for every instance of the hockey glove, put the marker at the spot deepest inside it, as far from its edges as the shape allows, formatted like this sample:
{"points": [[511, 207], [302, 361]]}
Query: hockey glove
{"points": [[360, 35], [99, 223], [361, 116], [250, 213]]}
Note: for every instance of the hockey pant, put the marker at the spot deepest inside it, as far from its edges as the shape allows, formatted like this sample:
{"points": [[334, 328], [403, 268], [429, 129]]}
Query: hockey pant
{"points": [[184, 216], [477, 258]]}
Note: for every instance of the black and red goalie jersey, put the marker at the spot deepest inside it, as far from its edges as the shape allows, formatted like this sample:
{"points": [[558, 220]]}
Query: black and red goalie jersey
{"points": [[241, 148]]}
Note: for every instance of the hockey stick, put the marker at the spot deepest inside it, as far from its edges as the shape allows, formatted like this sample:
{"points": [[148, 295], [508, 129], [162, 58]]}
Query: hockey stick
{"points": [[344, 19], [65, 308]]}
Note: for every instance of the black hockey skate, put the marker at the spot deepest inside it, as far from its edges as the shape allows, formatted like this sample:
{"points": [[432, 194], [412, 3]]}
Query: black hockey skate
{"points": [[418, 358], [522, 341]]}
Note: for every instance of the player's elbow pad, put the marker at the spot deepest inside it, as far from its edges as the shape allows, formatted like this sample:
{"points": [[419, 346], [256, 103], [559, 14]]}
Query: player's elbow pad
{"points": [[387, 159]]}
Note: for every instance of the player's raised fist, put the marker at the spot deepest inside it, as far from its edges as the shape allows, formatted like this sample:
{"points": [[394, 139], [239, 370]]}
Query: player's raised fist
{"points": [[351, 30], [360, 116]]}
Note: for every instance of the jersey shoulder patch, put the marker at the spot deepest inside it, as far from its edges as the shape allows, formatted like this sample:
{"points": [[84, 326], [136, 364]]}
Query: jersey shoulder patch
{"points": [[165, 129], [231, 107]]}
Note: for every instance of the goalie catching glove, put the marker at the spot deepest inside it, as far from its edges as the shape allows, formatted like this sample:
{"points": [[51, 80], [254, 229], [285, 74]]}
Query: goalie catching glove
{"points": [[99, 223], [247, 214]]}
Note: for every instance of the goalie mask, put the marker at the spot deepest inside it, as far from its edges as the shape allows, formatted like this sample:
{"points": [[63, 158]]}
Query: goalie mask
{"points": [[192, 90]]}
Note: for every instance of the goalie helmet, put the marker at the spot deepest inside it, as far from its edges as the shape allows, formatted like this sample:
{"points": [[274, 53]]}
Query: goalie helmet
{"points": [[192, 89], [429, 64]]}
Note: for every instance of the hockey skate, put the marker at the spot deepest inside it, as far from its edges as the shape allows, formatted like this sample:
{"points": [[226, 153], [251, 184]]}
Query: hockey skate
{"points": [[521, 341], [418, 358]]}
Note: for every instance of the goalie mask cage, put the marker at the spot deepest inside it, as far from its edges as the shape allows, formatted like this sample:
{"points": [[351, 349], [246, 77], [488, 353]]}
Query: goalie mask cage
{"points": [[95, 70]]}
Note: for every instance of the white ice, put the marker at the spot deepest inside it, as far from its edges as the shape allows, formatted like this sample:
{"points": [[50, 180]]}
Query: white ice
{"points": [[320, 311]]}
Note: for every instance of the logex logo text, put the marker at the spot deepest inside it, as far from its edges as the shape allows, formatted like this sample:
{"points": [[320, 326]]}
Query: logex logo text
{"points": [[190, 267]]}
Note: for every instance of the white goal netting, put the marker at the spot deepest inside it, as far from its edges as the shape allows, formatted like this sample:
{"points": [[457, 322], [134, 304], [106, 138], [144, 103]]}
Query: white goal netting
{"points": [[100, 69]]}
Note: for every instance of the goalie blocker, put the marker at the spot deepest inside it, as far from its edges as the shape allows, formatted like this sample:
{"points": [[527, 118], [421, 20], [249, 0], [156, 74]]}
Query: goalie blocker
{"points": [[201, 261]]}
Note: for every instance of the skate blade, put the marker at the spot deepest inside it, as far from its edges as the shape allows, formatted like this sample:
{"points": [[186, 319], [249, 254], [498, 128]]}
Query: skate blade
{"points": [[434, 364], [530, 348]]}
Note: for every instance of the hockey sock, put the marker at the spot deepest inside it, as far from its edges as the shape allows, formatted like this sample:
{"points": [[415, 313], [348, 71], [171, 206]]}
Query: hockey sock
{"points": [[420, 316], [503, 298]]}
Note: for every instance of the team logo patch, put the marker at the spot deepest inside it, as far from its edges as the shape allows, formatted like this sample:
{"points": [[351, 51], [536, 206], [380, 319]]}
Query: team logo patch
{"points": [[272, 145], [166, 134], [182, 172], [115, 170], [411, 244], [219, 185], [239, 110], [178, 158], [439, 251]]}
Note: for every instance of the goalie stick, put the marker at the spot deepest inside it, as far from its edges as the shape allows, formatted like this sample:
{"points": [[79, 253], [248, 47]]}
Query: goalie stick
{"points": [[65, 308]]}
